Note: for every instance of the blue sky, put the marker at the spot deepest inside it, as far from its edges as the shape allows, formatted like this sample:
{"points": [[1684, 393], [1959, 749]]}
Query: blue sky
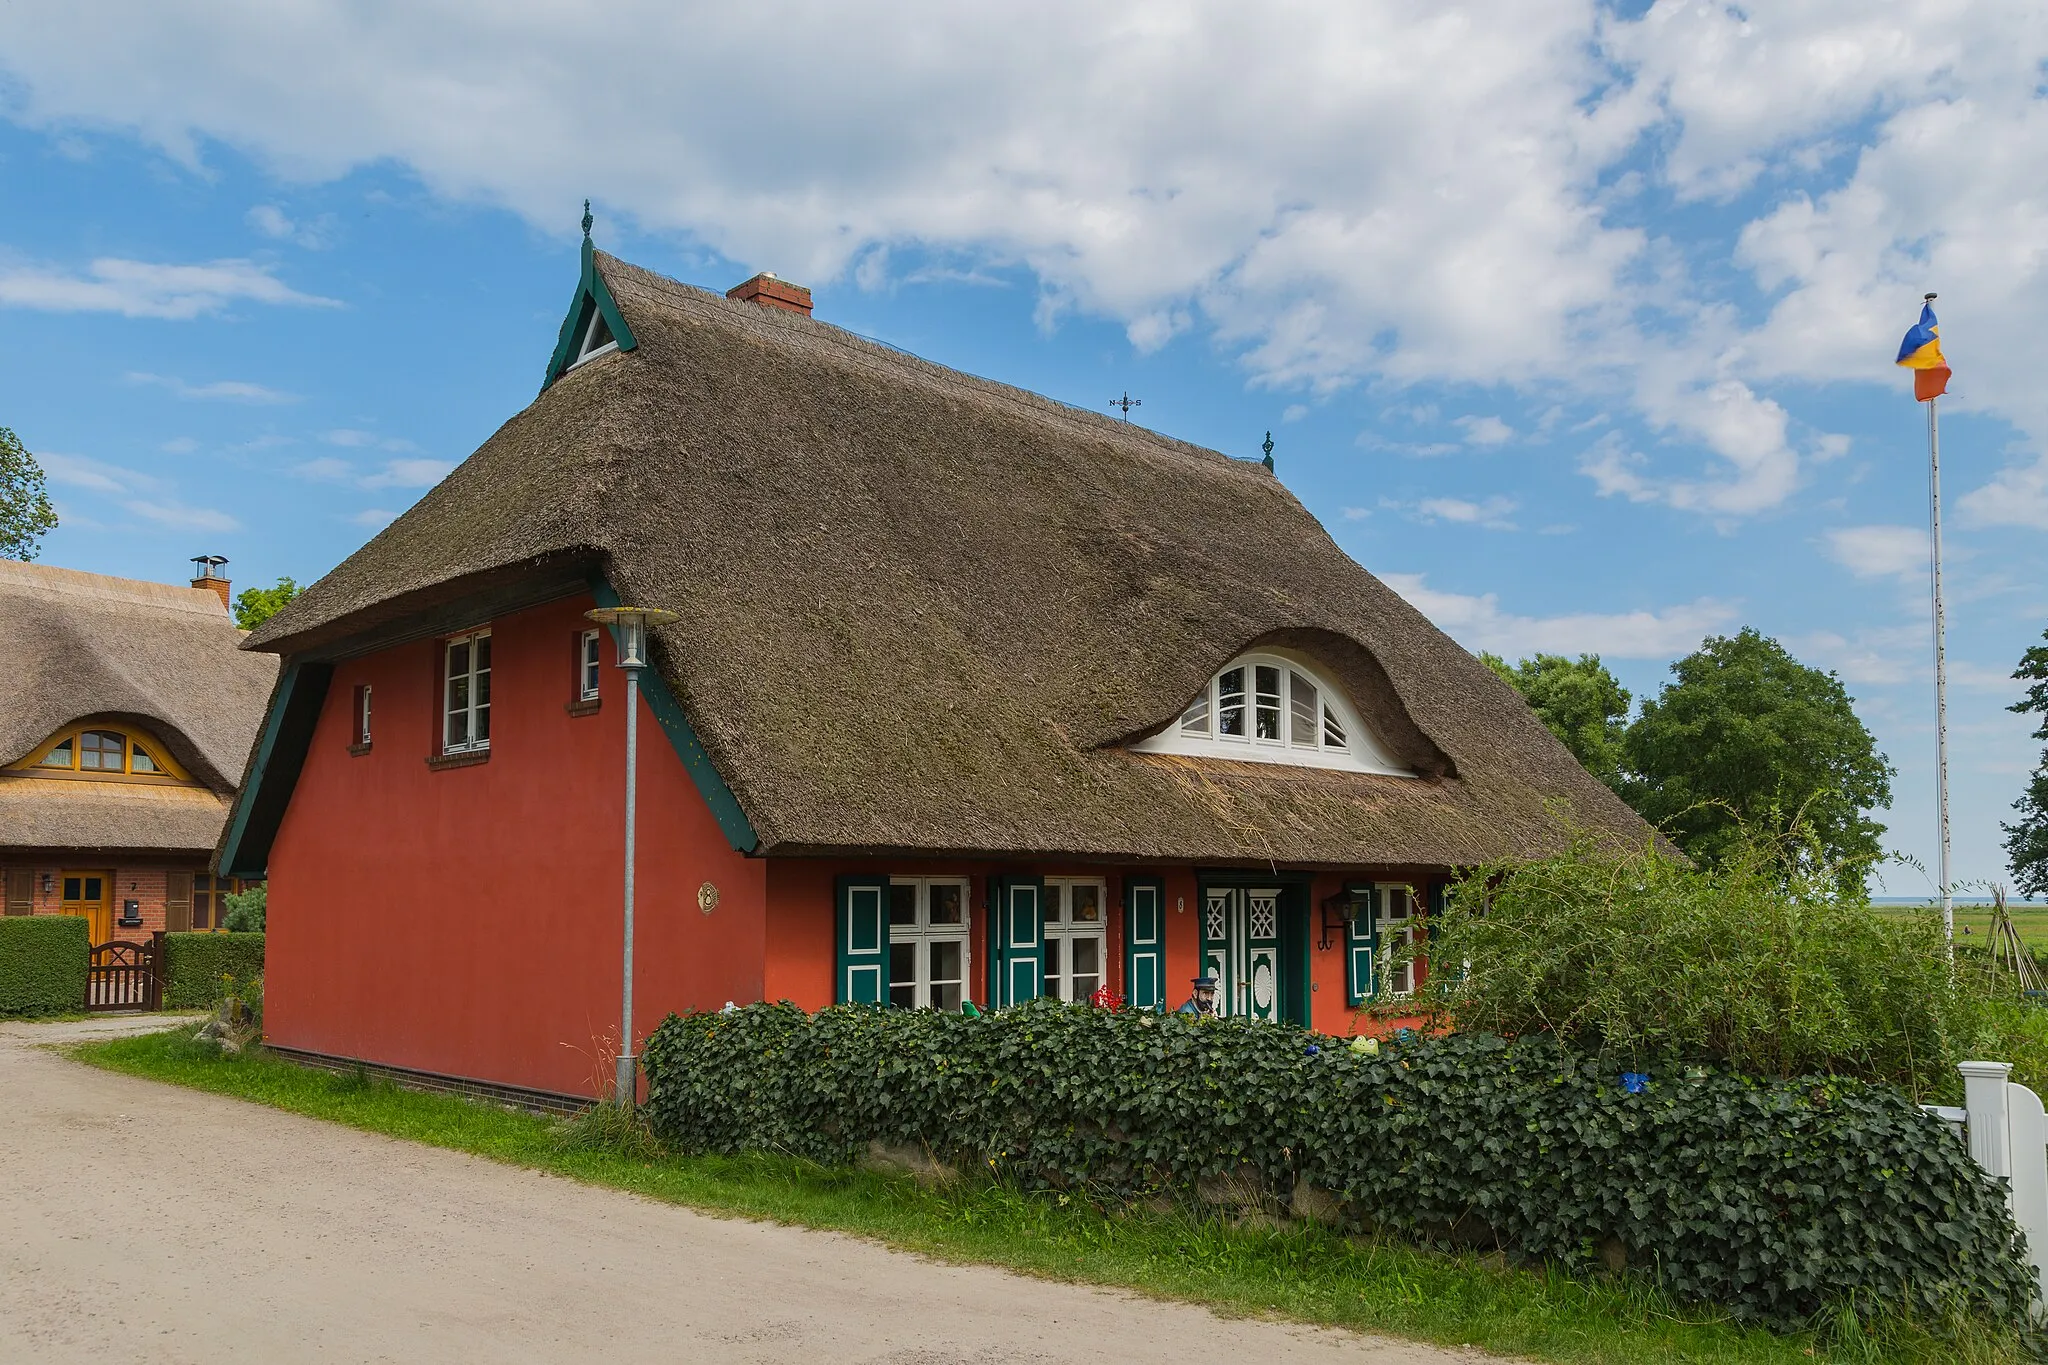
{"points": [[1573, 323]]}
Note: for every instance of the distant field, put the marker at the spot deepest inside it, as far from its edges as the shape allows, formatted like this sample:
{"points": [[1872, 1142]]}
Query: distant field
{"points": [[1973, 922]]}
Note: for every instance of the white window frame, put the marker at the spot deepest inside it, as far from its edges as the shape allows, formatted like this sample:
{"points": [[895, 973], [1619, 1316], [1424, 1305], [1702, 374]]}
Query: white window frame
{"points": [[1398, 977], [584, 350], [1058, 892], [589, 666], [472, 706], [923, 933], [360, 721], [1360, 751]]}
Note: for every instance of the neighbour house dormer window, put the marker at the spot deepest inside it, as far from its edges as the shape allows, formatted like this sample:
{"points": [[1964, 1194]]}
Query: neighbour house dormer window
{"points": [[105, 751], [1274, 708], [466, 694]]}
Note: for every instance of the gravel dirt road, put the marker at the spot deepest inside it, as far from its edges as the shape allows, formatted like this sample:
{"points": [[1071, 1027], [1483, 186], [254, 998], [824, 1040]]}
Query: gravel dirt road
{"points": [[143, 1222]]}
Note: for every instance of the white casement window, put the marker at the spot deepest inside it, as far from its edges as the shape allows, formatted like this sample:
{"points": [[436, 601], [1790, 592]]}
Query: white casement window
{"points": [[1395, 923], [1274, 708], [466, 694], [928, 957], [597, 338], [1075, 949], [360, 725], [589, 667]]}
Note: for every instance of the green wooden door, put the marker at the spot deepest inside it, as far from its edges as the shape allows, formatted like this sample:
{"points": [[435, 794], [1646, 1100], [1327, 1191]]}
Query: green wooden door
{"points": [[1241, 949]]}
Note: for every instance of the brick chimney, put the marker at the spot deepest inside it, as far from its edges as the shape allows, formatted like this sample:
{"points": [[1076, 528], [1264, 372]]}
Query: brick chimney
{"points": [[207, 574], [770, 292]]}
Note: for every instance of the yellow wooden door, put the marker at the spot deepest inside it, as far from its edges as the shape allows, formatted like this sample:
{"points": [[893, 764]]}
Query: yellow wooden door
{"points": [[91, 894]]}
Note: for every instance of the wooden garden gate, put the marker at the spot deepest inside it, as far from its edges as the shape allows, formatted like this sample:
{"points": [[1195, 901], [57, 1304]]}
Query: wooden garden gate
{"points": [[126, 976]]}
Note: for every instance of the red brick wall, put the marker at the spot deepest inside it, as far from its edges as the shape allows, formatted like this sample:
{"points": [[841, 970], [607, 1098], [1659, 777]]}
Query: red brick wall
{"points": [[136, 881]]}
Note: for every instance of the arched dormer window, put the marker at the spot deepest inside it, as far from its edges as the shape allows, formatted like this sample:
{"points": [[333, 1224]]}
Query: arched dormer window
{"points": [[1275, 708], [103, 749]]}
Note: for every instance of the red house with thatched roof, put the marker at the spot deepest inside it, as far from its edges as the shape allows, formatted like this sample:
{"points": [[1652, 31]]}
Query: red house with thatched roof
{"points": [[969, 695]]}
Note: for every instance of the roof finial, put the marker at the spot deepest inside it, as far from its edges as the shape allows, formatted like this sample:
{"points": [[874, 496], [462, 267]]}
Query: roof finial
{"points": [[1268, 448], [587, 220]]}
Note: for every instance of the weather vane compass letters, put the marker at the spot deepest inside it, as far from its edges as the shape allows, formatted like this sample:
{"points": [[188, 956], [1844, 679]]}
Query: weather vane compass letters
{"points": [[1127, 403]]}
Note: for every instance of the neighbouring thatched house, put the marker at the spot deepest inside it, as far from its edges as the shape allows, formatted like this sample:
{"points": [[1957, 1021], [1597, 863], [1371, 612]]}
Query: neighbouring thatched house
{"points": [[127, 712], [970, 695]]}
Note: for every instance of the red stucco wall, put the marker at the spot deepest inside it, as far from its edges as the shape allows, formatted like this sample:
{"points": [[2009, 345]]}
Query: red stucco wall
{"points": [[467, 921]]}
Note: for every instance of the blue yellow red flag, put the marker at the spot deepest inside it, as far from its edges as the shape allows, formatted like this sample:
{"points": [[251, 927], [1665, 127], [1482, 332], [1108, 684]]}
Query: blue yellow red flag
{"points": [[1920, 352]]}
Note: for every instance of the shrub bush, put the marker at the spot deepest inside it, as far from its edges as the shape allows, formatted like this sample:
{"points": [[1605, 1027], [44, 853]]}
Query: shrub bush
{"points": [[246, 910], [1762, 961], [43, 960], [1776, 1199], [199, 968]]}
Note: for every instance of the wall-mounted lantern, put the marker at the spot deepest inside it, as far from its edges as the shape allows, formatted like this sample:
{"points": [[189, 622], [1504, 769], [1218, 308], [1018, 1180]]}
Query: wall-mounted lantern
{"points": [[1351, 904]]}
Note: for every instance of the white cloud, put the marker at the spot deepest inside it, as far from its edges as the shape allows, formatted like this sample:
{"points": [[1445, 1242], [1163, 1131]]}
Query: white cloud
{"points": [[408, 474], [179, 445], [1491, 513], [229, 390], [1486, 431], [145, 495], [1879, 551], [354, 439], [141, 289], [2018, 496], [1479, 623], [323, 469], [271, 221], [371, 516]]}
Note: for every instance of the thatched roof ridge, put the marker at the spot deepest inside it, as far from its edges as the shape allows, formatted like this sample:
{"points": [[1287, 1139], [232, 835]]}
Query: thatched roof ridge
{"points": [[924, 611]]}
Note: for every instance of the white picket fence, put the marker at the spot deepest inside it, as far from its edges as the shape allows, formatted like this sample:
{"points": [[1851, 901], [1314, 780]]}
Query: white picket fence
{"points": [[2007, 1131]]}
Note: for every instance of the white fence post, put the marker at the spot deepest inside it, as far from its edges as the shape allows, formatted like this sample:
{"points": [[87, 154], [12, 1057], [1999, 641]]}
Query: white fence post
{"points": [[2009, 1138]]}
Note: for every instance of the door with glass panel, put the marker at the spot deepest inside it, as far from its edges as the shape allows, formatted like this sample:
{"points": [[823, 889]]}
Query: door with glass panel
{"points": [[1075, 943], [90, 896], [1241, 949], [928, 960]]}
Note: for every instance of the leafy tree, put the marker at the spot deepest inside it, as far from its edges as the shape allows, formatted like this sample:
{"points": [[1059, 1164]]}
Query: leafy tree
{"points": [[2026, 843], [1748, 733], [1581, 702], [26, 515], [254, 606]]}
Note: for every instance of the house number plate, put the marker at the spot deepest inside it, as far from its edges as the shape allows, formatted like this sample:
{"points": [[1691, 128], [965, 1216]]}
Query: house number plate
{"points": [[707, 898]]}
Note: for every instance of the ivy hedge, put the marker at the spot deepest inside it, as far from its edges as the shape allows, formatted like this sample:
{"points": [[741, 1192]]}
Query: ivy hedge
{"points": [[1777, 1199], [197, 967], [43, 960]]}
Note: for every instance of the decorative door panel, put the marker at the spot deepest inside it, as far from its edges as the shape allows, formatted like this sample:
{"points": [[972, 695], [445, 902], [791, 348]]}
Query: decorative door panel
{"points": [[1241, 949], [1261, 984]]}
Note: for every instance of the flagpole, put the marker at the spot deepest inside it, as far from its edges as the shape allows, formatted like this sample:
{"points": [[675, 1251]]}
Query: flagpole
{"points": [[1948, 906]]}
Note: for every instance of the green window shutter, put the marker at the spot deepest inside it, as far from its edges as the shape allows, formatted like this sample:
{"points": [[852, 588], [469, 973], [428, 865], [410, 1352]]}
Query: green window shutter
{"points": [[862, 933], [1020, 945], [1360, 947], [1145, 943]]}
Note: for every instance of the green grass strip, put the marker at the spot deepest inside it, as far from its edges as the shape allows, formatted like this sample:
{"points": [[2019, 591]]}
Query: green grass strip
{"points": [[1306, 1273]]}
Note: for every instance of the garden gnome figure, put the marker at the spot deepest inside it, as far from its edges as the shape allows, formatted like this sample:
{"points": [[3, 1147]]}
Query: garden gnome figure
{"points": [[1203, 1001]]}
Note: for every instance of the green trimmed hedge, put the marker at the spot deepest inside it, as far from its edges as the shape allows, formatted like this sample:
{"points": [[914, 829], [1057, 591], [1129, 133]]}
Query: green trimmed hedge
{"points": [[43, 961], [1777, 1199], [195, 965]]}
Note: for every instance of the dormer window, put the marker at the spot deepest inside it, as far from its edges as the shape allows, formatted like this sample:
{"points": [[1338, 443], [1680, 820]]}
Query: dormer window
{"points": [[103, 751], [1274, 708]]}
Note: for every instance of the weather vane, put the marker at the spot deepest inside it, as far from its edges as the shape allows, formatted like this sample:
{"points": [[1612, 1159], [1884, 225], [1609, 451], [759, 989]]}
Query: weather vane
{"points": [[587, 220], [1127, 403], [1268, 448]]}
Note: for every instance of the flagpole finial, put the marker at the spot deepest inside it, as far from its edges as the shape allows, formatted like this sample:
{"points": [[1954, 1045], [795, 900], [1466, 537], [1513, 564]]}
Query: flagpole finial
{"points": [[588, 220]]}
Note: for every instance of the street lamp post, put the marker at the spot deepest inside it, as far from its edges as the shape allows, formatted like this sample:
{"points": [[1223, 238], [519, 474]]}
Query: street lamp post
{"points": [[629, 628]]}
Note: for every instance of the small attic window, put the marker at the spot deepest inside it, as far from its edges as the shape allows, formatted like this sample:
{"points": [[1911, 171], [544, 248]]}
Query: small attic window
{"points": [[1273, 708], [597, 337]]}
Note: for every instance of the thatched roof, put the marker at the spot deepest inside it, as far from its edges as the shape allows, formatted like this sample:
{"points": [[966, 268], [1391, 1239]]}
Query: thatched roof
{"points": [[923, 611], [80, 645]]}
